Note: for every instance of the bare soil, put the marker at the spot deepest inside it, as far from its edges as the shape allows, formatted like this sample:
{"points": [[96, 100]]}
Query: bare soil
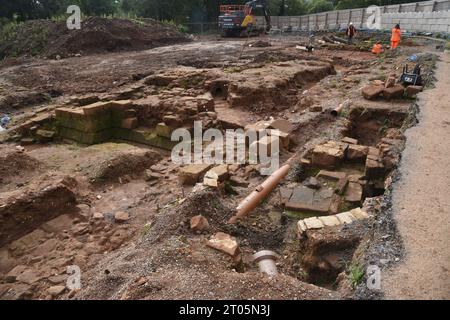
{"points": [[154, 254]]}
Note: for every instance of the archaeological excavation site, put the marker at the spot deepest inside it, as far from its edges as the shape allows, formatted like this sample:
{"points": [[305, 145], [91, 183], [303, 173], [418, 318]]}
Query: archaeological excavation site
{"points": [[93, 205]]}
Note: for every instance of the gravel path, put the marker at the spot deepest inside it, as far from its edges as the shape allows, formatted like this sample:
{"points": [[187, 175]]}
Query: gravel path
{"points": [[421, 200]]}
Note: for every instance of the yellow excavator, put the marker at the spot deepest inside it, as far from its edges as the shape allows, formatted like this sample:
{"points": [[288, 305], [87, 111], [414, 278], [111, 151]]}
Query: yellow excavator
{"points": [[239, 20]]}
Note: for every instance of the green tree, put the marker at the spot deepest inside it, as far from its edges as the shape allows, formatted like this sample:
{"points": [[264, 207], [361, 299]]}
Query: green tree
{"points": [[97, 7], [316, 6]]}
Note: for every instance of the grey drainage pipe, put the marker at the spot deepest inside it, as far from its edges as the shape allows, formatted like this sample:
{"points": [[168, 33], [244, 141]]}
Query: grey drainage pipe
{"points": [[266, 262]]}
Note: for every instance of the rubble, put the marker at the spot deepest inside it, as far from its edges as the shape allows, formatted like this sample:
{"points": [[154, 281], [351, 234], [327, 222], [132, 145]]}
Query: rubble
{"points": [[199, 223], [191, 174], [121, 216], [225, 243]]}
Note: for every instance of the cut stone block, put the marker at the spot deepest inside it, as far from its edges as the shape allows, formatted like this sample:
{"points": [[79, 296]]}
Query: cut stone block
{"points": [[354, 193], [313, 223], [357, 153], [96, 109], [394, 92], [191, 174], [221, 171], [144, 136], [84, 137], [346, 218], [412, 91], [372, 91], [308, 200], [349, 140], [359, 214], [282, 125], [374, 167], [329, 155], [45, 135], [330, 221], [205, 103], [173, 121]]}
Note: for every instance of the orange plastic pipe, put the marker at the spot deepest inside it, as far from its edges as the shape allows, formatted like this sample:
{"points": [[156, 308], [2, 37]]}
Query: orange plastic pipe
{"points": [[261, 192]]}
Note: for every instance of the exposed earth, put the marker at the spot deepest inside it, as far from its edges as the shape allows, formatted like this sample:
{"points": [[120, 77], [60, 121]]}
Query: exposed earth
{"points": [[87, 178]]}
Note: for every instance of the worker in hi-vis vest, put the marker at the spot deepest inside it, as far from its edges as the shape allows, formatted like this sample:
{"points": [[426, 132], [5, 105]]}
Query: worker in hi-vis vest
{"points": [[396, 36], [377, 48], [248, 21]]}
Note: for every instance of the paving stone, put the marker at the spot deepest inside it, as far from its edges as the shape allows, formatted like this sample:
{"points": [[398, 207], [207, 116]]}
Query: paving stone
{"points": [[307, 200], [354, 192]]}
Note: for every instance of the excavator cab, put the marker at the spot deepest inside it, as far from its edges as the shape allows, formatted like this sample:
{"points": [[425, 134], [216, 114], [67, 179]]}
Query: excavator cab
{"points": [[239, 20]]}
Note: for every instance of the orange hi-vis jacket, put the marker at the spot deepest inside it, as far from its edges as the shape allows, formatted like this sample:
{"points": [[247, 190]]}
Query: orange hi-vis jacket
{"points": [[377, 48], [396, 35]]}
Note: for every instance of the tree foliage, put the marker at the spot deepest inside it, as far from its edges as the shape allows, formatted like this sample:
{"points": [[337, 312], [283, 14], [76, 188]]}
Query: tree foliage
{"points": [[177, 10], [316, 6]]}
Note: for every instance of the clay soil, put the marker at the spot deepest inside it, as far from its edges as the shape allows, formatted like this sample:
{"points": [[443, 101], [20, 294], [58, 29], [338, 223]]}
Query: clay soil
{"points": [[153, 254]]}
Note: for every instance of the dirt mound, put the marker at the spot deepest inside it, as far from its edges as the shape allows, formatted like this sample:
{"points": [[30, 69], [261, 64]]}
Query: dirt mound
{"points": [[176, 220], [129, 163], [16, 167], [97, 35], [171, 263]]}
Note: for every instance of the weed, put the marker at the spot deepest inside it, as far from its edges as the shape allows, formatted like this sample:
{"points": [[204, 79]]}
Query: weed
{"points": [[355, 274], [146, 229]]}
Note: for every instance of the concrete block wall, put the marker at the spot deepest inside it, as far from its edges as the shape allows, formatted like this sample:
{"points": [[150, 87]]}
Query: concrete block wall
{"points": [[429, 16], [438, 21]]}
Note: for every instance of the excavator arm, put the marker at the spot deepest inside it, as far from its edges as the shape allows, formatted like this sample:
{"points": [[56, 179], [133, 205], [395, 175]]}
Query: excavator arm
{"points": [[254, 4]]}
